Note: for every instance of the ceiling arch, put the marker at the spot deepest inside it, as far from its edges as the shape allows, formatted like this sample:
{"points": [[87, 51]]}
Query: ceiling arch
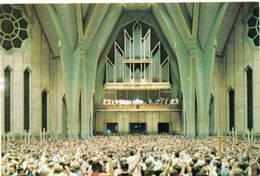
{"points": [[93, 14], [147, 17]]}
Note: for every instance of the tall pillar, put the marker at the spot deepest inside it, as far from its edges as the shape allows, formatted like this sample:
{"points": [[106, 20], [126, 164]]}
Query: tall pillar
{"points": [[87, 90], [89, 66], [191, 123], [72, 94], [208, 68]]}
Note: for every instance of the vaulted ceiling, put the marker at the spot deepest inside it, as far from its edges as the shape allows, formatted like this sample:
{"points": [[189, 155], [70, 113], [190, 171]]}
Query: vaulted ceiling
{"points": [[92, 15]]}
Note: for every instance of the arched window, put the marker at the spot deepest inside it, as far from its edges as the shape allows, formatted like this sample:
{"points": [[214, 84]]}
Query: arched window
{"points": [[7, 99], [44, 110], [211, 116], [231, 109], [249, 76], [79, 123], [26, 99], [64, 116], [196, 117]]}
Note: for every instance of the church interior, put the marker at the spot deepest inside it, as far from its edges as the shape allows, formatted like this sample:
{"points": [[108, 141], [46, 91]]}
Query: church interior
{"points": [[165, 75]]}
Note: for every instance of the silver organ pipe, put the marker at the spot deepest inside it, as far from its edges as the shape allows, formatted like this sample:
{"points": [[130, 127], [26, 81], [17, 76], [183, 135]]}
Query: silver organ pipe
{"points": [[137, 62], [137, 36], [119, 55]]}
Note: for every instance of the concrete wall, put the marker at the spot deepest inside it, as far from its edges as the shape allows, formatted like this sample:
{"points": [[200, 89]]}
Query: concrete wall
{"points": [[45, 75], [217, 91], [150, 118], [229, 72], [56, 94]]}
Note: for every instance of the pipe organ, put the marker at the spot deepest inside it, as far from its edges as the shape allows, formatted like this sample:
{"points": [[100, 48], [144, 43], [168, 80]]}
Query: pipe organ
{"points": [[135, 64], [138, 92]]}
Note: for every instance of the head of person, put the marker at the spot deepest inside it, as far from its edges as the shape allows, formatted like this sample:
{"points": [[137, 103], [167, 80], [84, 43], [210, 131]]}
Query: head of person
{"points": [[237, 172], [207, 160], [131, 153], [124, 166], [174, 173], [57, 169], [177, 154], [12, 169], [177, 168], [96, 166]]}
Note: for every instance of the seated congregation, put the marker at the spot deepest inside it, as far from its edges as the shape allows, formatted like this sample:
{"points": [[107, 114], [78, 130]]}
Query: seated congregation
{"points": [[137, 155]]}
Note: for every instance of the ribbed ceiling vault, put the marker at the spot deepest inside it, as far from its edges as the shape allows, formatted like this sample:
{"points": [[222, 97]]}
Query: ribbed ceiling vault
{"points": [[94, 14]]}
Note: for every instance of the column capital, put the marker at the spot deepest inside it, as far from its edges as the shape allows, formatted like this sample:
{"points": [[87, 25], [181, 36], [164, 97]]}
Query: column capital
{"points": [[82, 47], [82, 42], [192, 46]]}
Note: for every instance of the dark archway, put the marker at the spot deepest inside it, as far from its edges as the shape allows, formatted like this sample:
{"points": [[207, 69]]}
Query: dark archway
{"points": [[44, 110], [196, 117], [7, 99], [64, 117], [211, 117], [249, 75], [79, 116], [231, 109], [26, 99]]}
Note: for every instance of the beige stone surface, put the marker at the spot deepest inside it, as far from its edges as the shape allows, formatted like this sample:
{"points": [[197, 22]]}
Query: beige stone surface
{"points": [[256, 119], [46, 72], [242, 54], [239, 119], [36, 53]]}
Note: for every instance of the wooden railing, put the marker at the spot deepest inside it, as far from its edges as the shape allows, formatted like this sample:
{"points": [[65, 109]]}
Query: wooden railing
{"points": [[137, 107]]}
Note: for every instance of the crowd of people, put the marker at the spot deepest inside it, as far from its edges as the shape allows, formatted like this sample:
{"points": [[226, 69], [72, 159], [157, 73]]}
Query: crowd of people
{"points": [[137, 155], [137, 101]]}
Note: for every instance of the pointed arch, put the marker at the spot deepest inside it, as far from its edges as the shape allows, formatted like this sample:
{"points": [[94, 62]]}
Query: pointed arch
{"points": [[136, 24], [196, 116], [46, 90], [27, 69], [247, 68], [249, 96], [231, 114], [79, 117], [8, 67], [229, 88], [45, 109], [7, 98], [137, 37], [26, 89], [64, 116], [211, 116]]}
